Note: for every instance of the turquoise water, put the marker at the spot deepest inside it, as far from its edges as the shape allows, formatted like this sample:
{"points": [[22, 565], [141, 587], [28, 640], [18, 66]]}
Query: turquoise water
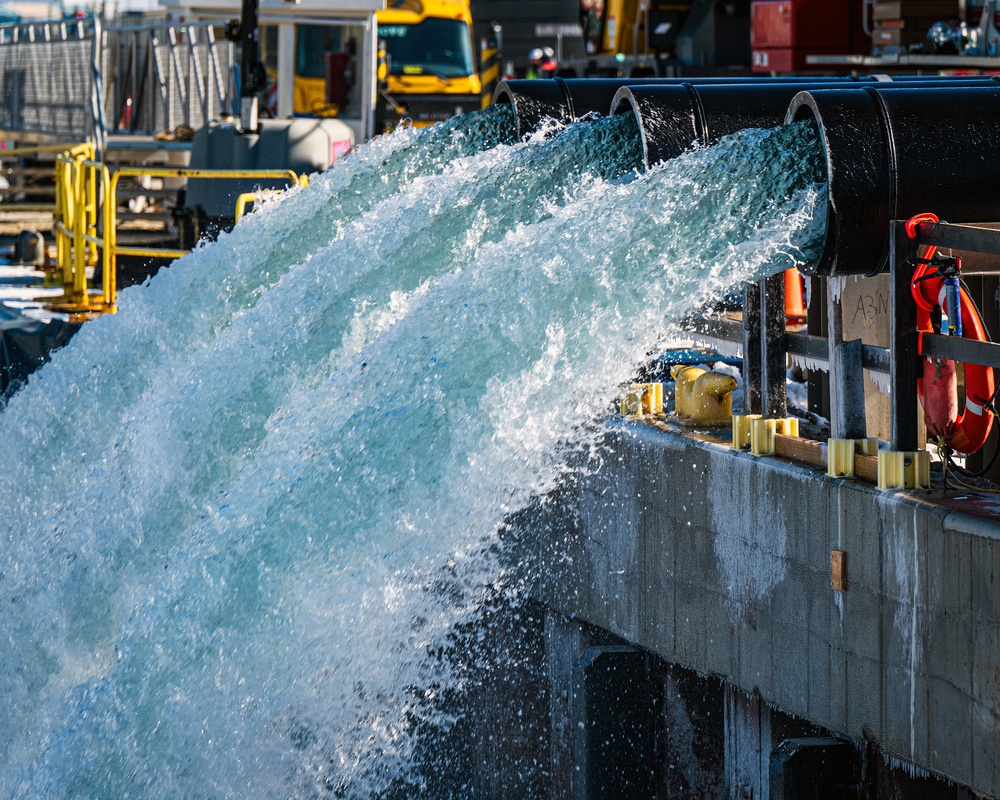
{"points": [[237, 514]]}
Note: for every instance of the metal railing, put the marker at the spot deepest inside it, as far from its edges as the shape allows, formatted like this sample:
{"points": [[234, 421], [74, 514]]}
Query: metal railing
{"points": [[75, 225], [22, 152], [86, 224]]}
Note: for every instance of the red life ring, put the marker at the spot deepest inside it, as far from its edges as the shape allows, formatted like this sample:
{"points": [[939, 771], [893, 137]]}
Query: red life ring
{"points": [[965, 432]]}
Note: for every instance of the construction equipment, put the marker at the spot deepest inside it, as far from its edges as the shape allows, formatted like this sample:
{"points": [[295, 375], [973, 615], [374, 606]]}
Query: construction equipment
{"points": [[649, 38], [427, 66]]}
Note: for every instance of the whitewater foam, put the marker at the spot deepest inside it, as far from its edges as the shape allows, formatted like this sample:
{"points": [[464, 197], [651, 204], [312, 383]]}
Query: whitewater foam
{"points": [[241, 511]]}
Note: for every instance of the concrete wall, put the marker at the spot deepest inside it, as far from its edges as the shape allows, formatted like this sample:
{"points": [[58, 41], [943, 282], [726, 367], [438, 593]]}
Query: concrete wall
{"points": [[720, 562]]}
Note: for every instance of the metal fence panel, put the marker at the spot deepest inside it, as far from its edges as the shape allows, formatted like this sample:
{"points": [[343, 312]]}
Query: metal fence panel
{"points": [[46, 86], [149, 77]]}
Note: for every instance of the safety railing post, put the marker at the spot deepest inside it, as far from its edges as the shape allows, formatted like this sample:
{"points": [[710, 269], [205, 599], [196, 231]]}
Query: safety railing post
{"points": [[91, 211], [109, 276], [772, 347], [69, 221], [79, 288], [98, 122], [58, 213], [85, 221]]}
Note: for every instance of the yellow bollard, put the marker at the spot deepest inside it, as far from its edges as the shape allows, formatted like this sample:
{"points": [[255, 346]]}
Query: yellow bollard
{"points": [[701, 398]]}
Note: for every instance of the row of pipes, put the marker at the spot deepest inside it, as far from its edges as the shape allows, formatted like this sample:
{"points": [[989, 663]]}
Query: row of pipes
{"points": [[894, 147]]}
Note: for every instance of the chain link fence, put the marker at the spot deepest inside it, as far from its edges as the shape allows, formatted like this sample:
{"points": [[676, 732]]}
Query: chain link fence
{"points": [[46, 79], [82, 81]]}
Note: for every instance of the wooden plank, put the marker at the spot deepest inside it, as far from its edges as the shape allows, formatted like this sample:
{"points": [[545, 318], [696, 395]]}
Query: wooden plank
{"points": [[795, 448], [811, 347], [866, 468], [729, 330], [838, 570], [808, 451], [968, 351], [876, 359]]}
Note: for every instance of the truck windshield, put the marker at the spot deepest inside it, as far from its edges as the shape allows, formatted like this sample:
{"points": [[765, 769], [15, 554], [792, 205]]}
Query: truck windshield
{"points": [[439, 47]]}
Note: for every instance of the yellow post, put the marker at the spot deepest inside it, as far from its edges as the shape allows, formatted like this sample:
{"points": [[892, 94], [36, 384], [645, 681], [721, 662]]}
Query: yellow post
{"points": [[58, 216], [91, 168], [108, 264], [65, 225], [79, 289], [111, 227]]}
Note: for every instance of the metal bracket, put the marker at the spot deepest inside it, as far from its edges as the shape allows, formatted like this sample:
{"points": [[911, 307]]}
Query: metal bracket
{"points": [[763, 431], [841, 452], [898, 469]]}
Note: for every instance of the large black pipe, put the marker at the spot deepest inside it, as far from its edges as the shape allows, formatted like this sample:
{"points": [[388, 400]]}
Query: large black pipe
{"points": [[566, 100], [672, 118], [893, 153], [893, 149]]}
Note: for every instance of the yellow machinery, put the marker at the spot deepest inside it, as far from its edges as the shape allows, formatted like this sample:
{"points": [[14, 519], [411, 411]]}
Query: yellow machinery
{"points": [[430, 62], [646, 38], [629, 33]]}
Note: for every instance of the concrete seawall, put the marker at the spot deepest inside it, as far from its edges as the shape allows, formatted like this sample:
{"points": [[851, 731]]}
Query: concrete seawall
{"points": [[721, 563]]}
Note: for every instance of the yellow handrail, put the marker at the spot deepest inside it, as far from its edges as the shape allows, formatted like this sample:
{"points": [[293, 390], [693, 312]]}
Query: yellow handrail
{"points": [[75, 224], [249, 197], [69, 149], [85, 219], [81, 242], [75, 217], [77, 239], [82, 149], [244, 200]]}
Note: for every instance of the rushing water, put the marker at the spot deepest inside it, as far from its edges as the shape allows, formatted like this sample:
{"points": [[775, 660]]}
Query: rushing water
{"points": [[238, 514]]}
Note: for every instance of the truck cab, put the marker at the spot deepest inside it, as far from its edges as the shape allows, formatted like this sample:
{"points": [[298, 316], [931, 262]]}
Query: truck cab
{"points": [[427, 63]]}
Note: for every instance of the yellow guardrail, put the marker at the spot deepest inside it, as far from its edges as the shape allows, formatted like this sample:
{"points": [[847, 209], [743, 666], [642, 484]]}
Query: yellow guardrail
{"points": [[86, 222], [32, 150], [43, 148], [75, 223], [247, 198]]}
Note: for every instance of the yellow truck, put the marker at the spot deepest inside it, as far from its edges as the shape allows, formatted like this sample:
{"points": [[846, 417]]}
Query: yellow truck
{"points": [[427, 68], [428, 62]]}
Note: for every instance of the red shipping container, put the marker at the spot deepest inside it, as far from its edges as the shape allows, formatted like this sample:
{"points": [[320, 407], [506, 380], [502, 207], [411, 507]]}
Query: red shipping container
{"points": [[784, 32], [799, 23]]}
